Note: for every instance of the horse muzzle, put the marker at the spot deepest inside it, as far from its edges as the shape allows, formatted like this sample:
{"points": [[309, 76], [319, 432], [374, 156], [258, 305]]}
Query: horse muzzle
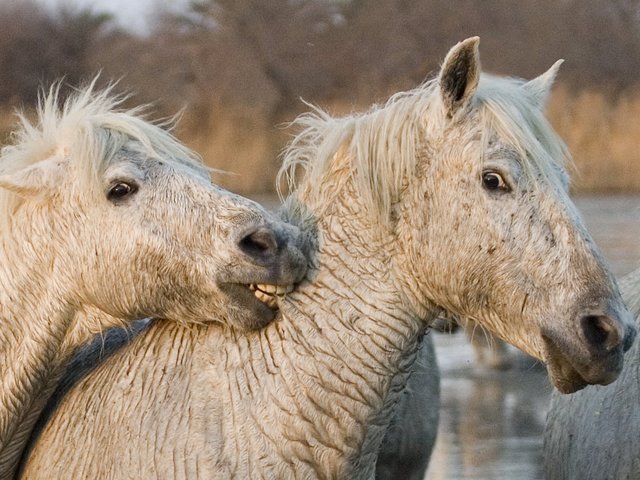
{"points": [[595, 357]]}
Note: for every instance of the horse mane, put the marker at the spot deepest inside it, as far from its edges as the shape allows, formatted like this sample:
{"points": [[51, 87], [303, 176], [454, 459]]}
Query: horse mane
{"points": [[390, 131], [88, 129], [385, 143]]}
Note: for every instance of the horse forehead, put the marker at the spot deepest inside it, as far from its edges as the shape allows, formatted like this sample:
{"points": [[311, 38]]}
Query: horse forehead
{"points": [[149, 166], [126, 164], [539, 154]]}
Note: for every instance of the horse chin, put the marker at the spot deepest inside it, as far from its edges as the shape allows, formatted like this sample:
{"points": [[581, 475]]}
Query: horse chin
{"points": [[245, 310], [562, 372], [563, 376], [573, 371]]}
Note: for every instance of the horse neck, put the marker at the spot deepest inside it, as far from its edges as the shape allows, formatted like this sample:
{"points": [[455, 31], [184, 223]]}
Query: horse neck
{"points": [[332, 368], [34, 342], [35, 308], [32, 332]]}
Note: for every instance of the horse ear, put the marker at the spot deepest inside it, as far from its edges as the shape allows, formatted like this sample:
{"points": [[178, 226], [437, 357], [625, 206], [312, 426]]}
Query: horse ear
{"points": [[35, 179], [460, 74], [540, 87]]}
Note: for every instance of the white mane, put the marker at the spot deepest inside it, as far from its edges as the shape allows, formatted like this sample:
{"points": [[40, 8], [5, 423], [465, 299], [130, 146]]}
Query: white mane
{"points": [[385, 143], [89, 131]]}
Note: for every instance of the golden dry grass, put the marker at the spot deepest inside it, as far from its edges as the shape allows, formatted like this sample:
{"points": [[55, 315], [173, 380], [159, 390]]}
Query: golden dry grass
{"points": [[603, 134]]}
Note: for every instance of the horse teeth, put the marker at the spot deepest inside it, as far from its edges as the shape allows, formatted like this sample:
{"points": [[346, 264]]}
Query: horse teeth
{"points": [[267, 288], [266, 298], [268, 294], [272, 289]]}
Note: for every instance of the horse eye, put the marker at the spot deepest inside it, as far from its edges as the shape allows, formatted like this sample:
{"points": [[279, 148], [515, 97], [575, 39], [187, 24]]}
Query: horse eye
{"points": [[120, 190], [494, 181]]}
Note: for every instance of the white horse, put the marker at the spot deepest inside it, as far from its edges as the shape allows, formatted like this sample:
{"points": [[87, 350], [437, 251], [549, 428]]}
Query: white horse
{"points": [[106, 218], [595, 434], [446, 198]]}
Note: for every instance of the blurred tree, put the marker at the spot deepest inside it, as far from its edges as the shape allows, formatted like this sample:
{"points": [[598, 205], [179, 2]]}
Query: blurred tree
{"points": [[283, 39], [37, 48]]}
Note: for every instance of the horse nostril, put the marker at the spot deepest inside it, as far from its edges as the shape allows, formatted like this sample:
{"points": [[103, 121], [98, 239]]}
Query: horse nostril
{"points": [[260, 242], [601, 332]]}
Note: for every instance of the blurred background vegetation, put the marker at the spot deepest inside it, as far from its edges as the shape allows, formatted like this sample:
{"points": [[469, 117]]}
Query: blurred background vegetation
{"points": [[239, 68]]}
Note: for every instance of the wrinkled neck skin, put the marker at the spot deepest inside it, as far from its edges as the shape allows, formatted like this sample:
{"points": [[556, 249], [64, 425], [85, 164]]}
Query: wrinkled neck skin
{"points": [[37, 337], [334, 365]]}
